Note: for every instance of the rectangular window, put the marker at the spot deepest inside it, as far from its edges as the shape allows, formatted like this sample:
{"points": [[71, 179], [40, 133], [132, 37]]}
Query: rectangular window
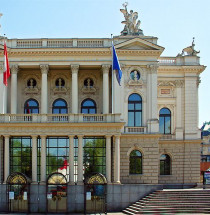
{"points": [[131, 119], [57, 159], [75, 159], [94, 155], [21, 155]]}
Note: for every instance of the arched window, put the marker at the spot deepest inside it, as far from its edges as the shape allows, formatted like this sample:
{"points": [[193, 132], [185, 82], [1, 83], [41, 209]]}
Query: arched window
{"points": [[88, 106], [31, 106], [135, 162], [165, 164], [134, 110], [165, 121], [59, 107]]}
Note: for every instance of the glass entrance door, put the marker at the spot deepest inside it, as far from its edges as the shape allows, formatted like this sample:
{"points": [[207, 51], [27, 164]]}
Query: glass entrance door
{"points": [[57, 193], [57, 198], [95, 194], [18, 198]]}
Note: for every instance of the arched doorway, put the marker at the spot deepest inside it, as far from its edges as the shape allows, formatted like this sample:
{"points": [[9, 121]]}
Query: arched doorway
{"points": [[56, 193], [18, 189], [95, 193]]}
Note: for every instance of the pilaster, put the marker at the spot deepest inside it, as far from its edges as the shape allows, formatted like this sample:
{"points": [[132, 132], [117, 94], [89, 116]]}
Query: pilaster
{"points": [[34, 159], [14, 72], [105, 69], [6, 158], [71, 159], [44, 89], [108, 159], [153, 125], [80, 160], [43, 159], [74, 70], [117, 160]]}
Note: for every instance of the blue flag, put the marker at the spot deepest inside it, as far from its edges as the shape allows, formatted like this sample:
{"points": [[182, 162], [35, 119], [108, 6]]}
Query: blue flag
{"points": [[116, 65]]}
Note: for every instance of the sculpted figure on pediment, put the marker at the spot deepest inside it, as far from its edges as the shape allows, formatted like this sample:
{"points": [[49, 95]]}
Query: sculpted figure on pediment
{"points": [[132, 26]]}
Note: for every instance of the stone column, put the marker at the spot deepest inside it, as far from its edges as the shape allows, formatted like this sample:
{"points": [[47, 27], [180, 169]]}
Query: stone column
{"points": [[34, 159], [153, 125], [6, 158], [71, 159], [44, 94], [179, 130], [108, 158], [105, 69], [80, 160], [74, 69], [43, 159], [2, 90], [1, 161], [117, 160], [14, 72]]}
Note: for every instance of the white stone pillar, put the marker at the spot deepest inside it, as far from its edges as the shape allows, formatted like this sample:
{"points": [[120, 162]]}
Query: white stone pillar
{"points": [[14, 72], [80, 160], [74, 69], [43, 159], [34, 159], [105, 69], [44, 89], [179, 129], [2, 90], [117, 160], [71, 159], [108, 158], [153, 125], [1, 163], [6, 158]]}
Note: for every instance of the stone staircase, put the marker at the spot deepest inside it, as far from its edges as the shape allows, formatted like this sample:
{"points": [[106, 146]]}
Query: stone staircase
{"points": [[191, 201]]}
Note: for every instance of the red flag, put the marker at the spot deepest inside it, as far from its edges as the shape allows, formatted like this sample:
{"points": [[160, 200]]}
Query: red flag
{"points": [[6, 65]]}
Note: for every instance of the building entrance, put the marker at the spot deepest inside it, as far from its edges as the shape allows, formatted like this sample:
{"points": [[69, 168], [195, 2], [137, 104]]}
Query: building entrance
{"points": [[18, 189], [56, 193], [95, 194]]}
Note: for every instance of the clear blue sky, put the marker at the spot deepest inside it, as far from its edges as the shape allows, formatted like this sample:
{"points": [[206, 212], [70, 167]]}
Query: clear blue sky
{"points": [[174, 22]]}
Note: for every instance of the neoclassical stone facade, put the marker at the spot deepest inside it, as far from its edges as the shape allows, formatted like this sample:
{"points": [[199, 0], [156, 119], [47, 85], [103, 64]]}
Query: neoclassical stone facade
{"points": [[153, 114]]}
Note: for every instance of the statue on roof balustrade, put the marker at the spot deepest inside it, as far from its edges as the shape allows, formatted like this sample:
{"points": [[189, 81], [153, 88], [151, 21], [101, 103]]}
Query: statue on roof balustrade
{"points": [[132, 26]]}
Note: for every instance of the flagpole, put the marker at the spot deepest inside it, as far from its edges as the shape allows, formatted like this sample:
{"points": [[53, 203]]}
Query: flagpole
{"points": [[3, 109], [112, 77]]}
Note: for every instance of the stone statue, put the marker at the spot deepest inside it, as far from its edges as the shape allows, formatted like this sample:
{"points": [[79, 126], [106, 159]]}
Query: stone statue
{"points": [[190, 50], [31, 83], [132, 26]]}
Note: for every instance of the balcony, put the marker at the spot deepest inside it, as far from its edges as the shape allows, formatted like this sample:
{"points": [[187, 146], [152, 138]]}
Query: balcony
{"points": [[135, 130], [59, 118], [168, 137]]}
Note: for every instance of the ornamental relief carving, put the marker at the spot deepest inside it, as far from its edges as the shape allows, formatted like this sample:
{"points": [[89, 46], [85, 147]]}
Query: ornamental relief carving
{"points": [[59, 84], [135, 77], [91, 86], [141, 92], [31, 84], [176, 83]]}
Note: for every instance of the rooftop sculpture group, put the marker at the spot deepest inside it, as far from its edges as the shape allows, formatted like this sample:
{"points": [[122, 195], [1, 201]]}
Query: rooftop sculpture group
{"points": [[190, 50], [132, 26]]}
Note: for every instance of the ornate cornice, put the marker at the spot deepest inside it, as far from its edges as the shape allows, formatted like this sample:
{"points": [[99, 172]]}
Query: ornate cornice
{"points": [[44, 68], [76, 52]]}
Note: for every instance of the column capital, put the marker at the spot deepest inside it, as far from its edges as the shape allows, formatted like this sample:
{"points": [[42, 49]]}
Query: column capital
{"points": [[14, 69], [105, 68], [1, 68], [179, 83], [71, 136], [108, 136], [74, 68], [80, 136], [6, 136], [34, 136], [44, 68], [43, 136], [152, 68]]}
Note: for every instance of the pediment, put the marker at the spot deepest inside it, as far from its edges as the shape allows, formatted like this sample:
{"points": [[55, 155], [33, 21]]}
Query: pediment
{"points": [[138, 44]]}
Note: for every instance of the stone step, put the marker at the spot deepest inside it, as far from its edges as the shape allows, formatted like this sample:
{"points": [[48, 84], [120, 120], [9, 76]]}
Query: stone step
{"points": [[128, 212], [184, 205]]}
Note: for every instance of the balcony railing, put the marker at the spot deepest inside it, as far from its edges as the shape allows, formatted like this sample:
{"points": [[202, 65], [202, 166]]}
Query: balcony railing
{"points": [[167, 61], [168, 137], [136, 130], [59, 118]]}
